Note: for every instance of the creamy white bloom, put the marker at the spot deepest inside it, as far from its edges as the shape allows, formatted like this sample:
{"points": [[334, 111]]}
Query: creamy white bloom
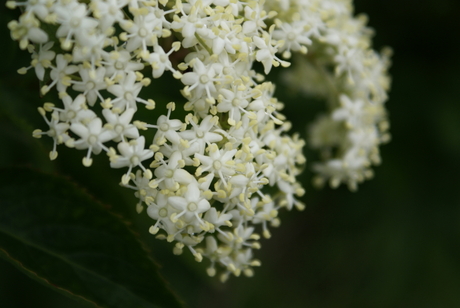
{"points": [[215, 176]]}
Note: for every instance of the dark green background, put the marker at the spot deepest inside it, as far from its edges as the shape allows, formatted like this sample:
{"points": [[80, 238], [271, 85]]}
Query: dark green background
{"points": [[394, 243]]}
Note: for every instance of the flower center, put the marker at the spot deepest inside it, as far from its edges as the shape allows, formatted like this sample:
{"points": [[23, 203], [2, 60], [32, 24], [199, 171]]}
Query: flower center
{"points": [[291, 36], [192, 207], [199, 133], [204, 79], [134, 160], [90, 85], [217, 165], [119, 65], [128, 96], [75, 22], [163, 212], [52, 132], [113, 10], [71, 114], [164, 127], [227, 70], [119, 128], [236, 102], [179, 224], [92, 139], [159, 13], [169, 173], [143, 32]]}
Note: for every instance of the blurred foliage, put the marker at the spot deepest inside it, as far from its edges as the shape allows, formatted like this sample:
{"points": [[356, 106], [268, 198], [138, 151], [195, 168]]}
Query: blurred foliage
{"points": [[394, 243], [56, 233]]}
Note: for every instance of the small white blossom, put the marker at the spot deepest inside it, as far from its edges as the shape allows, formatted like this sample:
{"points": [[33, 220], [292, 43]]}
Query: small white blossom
{"points": [[27, 29], [121, 124], [126, 92], [92, 137], [202, 134], [190, 205], [133, 153], [91, 83], [60, 74]]}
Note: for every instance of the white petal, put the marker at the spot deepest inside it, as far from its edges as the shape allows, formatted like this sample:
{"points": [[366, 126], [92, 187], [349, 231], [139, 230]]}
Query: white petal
{"points": [[189, 78], [79, 129], [37, 35], [193, 192], [178, 202], [183, 176], [125, 149]]}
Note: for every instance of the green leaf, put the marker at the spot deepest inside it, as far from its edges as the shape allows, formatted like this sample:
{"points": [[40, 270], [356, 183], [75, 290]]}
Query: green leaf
{"points": [[59, 235]]}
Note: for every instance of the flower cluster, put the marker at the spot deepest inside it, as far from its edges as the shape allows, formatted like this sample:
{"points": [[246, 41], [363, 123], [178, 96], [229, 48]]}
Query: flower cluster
{"points": [[342, 69], [216, 178]]}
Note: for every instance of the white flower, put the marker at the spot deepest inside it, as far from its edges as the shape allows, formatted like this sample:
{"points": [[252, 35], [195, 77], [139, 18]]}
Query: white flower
{"points": [[167, 128], [234, 102], [352, 112], [159, 60], [73, 22], [40, 8], [255, 16], [201, 80], [191, 24], [218, 219], [108, 11], [295, 37], [218, 162], [90, 48], [91, 83], [266, 52], [43, 59], [118, 63], [133, 153], [160, 210], [121, 124], [92, 137], [143, 31], [27, 29], [202, 134], [169, 175], [57, 131], [75, 111], [190, 205], [126, 92], [60, 74]]}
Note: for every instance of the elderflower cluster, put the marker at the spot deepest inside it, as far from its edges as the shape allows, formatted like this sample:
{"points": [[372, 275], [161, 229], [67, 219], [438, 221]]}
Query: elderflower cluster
{"points": [[216, 178], [342, 69]]}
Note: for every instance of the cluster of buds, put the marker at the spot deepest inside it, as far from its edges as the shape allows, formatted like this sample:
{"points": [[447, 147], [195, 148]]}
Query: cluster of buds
{"points": [[215, 179]]}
